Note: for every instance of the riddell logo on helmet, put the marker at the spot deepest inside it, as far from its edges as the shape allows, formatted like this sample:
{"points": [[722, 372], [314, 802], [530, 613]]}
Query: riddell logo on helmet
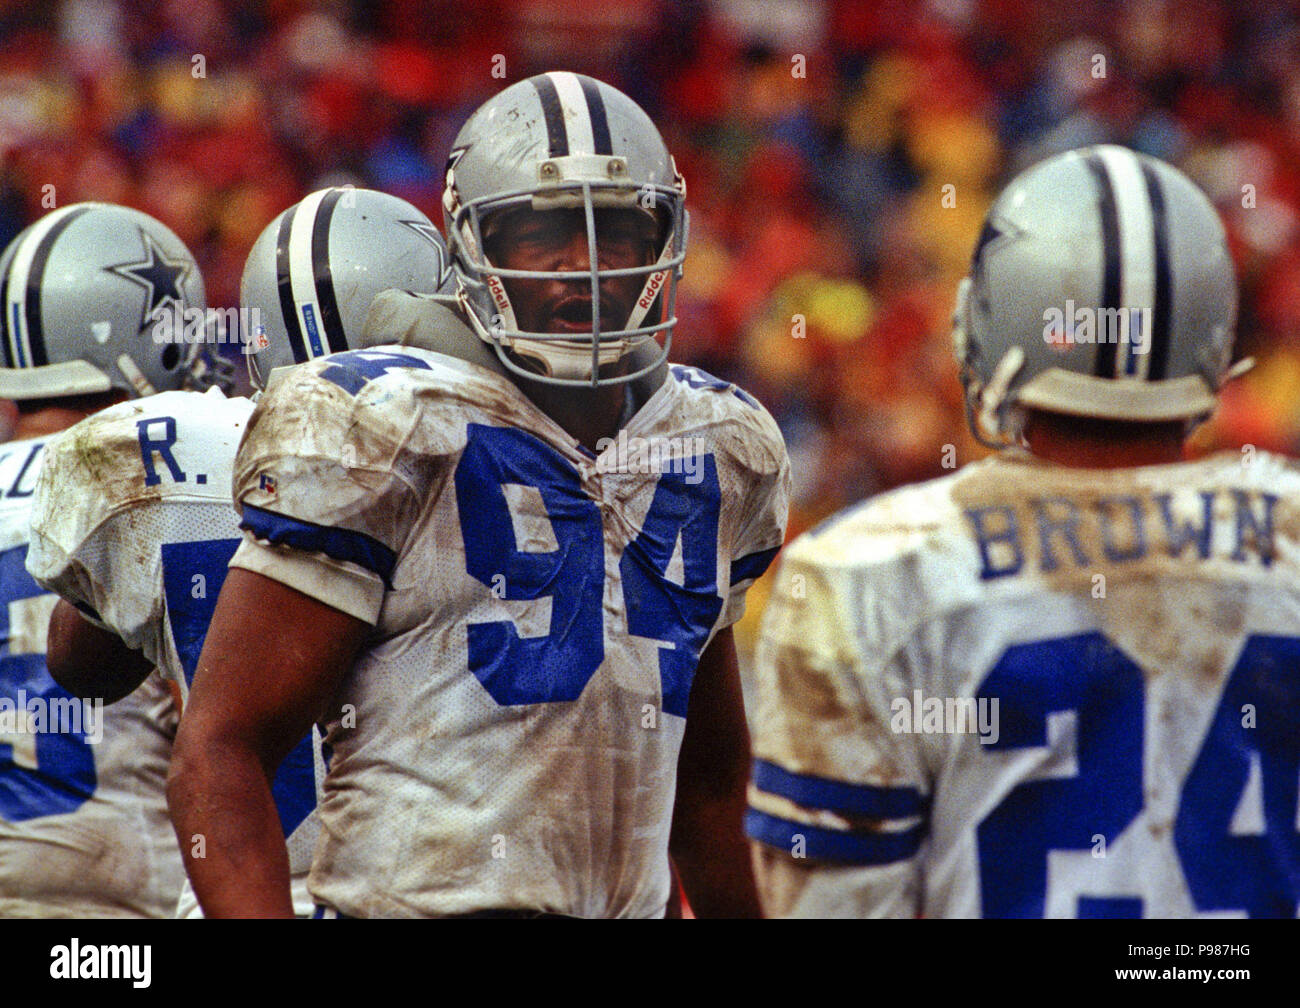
{"points": [[652, 289], [498, 291]]}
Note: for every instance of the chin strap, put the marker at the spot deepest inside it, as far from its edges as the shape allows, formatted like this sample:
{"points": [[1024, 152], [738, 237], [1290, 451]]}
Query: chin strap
{"points": [[565, 360], [653, 287], [992, 400]]}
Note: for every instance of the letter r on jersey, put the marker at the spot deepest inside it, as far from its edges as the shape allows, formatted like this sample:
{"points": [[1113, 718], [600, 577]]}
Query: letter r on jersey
{"points": [[162, 446]]}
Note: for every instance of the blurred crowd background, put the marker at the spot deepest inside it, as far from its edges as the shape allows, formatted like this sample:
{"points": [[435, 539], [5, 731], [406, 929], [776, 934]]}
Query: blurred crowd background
{"points": [[817, 139]]}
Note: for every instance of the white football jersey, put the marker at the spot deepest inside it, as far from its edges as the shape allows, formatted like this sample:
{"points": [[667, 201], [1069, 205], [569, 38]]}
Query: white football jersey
{"points": [[145, 549], [1031, 691], [509, 737], [84, 830]]}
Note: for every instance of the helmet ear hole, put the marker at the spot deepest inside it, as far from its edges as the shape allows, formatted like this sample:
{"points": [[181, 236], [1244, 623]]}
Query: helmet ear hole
{"points": [[663, 224], [171, 356]]}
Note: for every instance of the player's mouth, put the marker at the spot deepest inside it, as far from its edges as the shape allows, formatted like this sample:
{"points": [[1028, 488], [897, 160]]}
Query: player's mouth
{"points": [[573, 315]]}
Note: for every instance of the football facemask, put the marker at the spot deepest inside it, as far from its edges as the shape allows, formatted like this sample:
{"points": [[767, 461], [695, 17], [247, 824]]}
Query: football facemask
{"points": [[598, 152]]}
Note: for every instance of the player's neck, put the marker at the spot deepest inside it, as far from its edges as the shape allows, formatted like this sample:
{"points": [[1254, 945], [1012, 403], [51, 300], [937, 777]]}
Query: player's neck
{"points": [[587, 415], [1088, 456], [39, 417], [49, 420], [1093, 444]]}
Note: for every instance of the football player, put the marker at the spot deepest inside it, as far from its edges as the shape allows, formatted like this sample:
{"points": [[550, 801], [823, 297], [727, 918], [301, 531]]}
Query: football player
{"points": [[512, 606], [83, 818], [1061, 682], [146, 543]]}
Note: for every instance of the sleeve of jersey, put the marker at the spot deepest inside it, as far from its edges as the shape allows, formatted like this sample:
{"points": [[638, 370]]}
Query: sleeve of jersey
{"points": [[81, 546], [838, 802], [323, 487], [761, 530]]}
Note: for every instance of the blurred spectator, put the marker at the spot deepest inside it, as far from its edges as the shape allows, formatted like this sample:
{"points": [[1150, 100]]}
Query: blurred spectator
{"points": [[839, 159]]}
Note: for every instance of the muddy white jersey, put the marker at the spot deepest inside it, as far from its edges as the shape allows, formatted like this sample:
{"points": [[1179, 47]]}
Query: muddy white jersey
{"points": [[83, 817], [132, 522], [1027, 691], [132, 516], [508, 738]]}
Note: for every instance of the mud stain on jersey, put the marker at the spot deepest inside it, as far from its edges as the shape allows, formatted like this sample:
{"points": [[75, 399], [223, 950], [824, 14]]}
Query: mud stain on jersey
{"points": [[90, 453], [1062, 524], [104, 460], [1166, 567], [810, 712], [808, 696]]}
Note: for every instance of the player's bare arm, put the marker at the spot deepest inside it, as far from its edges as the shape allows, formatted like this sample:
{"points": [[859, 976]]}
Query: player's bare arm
{"points": [[248, 707], [89, 661], [707, 842]]}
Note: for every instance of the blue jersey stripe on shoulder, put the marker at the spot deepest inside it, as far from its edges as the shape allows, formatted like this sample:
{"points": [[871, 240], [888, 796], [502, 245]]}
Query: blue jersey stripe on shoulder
{"points": [[698, 379], [832, 845], [837, 796], [341, 544], [753, 565]]}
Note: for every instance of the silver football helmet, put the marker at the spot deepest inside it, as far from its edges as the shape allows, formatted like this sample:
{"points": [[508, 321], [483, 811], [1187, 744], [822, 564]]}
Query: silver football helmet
{"points": [[1101, 286], [98, 297], [313, 272], [564, 141]]}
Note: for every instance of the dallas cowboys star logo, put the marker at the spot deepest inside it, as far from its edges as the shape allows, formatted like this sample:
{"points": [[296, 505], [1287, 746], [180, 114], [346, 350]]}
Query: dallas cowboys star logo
{"points": [[162, 278], [434, 237]]}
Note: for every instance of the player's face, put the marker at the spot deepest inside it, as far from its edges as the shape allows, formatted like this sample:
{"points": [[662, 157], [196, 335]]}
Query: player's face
{"points": [[556, 240]]}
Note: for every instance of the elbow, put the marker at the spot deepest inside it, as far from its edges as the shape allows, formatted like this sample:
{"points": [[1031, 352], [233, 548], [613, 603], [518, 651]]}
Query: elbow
{"points": [[180, 775], [196, 754], [88, 661], [59, 659]]}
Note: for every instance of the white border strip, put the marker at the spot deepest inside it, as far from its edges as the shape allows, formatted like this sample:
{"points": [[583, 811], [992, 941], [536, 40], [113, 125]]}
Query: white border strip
{"points": [[577, 117], [1137, 254], [302, 278], [19, 271]]}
